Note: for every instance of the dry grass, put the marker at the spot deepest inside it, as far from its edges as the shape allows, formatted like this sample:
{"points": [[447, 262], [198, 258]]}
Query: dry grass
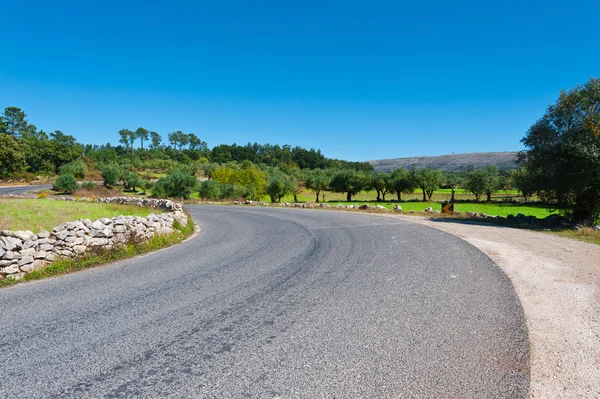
{"points": [[45, 214]]}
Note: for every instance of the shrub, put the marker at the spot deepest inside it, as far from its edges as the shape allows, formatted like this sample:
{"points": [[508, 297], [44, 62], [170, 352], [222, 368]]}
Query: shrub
{"points": [[178, 184], [88, 185], [77, 168], [65, 183], [210, 189]]}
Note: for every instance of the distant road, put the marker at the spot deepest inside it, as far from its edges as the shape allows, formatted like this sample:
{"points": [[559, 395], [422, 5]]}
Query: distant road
{"points": [[273, 303], [20, 190]]}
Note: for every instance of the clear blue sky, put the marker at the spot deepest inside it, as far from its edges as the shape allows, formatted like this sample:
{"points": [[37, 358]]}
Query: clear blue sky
{"points": [[359, 80]]}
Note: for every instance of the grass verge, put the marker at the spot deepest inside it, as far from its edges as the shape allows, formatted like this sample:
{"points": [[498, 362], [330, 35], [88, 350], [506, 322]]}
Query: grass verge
{"points": [[45, 214], [64, 266]]}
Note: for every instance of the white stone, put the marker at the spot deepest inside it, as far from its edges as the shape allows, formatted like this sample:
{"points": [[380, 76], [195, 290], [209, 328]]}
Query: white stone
{"points": [[25, 260], [40, 255], [27, 252], [14, 268], [79, 249], [43, 234]]}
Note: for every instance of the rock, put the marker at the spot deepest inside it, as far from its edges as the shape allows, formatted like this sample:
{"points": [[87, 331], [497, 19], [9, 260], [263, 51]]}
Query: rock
{"points": [[2, 252], [365, 206], [597, 227], [381, 207], [429, 209], [9, 255], [43, 234], [62, 234], [22, 235], [97, 225], [70, 239], [46, 247], [14, 268], [79, 249], [324, 205], [397, 208], [25, 260], [10, 243], [27, 252], [51, 257], [39, 264], [40, 255], [97, 242]]}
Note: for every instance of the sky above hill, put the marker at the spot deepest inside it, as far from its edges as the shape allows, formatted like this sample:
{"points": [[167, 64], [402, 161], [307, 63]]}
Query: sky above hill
{"points": [[359, 80]]}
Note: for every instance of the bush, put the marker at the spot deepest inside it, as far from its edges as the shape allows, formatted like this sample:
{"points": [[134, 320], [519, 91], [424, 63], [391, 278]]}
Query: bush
{"points": [[110, 174], [178, 184], [89, 185], [210, 189], [77, 168], [65, 183]]}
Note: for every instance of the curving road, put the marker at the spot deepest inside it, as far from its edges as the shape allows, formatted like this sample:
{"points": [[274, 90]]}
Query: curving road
{"points": [[21, 190], [273, 303]]}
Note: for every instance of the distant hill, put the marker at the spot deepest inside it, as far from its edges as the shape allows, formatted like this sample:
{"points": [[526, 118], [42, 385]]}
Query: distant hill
{"points": [[450, 163]]}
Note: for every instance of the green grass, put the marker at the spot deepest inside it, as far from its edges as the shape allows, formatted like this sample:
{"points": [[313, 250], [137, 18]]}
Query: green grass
{"points": [[64, 266], [586, 234], [493, 209], [45, 214]]}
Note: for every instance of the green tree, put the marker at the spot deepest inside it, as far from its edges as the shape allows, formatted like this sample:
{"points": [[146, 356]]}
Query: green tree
{"points": [[13, 122], [178, 184], [12, 159], [110, 175], [453, 181], [141, 134], [276, 186], [317, 180], [155, 140], [77, 168], [428, 180], [209, 189], [349, 181], [402, 182], [127, 138], [382, 183], [65, 183], [522, 181], [64, 149], [484, 181], [563, 152]]}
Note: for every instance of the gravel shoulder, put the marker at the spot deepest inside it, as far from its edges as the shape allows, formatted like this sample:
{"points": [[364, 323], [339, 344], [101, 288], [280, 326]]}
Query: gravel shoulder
{"points": [[558, 283]]}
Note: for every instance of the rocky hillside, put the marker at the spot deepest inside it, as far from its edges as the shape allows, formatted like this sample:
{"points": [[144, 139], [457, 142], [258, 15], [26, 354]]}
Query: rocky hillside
{"points": [[450, 163]]}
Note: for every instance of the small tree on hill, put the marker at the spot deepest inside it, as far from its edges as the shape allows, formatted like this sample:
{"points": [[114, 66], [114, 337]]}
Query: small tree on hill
{"points": [[65, 183]]}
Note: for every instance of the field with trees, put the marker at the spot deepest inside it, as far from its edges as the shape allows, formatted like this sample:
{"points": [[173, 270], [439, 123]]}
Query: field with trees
{"points": [[560, 171]]}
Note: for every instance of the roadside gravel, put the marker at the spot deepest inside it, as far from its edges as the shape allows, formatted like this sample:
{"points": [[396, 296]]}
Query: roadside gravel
{"points": [[558, 282]]}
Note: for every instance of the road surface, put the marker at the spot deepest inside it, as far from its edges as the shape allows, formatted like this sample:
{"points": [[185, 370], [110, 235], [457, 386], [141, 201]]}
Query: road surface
{"points": [[273, 303], [21, 190]]}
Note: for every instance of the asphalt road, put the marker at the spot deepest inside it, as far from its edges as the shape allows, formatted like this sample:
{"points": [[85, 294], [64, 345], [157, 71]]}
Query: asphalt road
{"points": [[20, 190], [273, 303]]}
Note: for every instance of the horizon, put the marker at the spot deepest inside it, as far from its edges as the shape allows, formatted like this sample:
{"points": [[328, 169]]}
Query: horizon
{"points": [[359, 83]]}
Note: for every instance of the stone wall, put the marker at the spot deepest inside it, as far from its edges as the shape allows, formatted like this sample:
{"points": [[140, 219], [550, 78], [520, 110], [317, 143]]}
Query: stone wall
{"points": [[21, 252]]}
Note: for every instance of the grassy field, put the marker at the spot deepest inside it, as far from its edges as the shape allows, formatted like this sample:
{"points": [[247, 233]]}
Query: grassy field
{"points": [[45, 214]]}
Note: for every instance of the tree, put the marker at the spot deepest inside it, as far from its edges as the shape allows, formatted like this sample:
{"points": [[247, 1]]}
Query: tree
{"points": [[453, 181], [178, 184], [12, 159], [13, 122], [483, 181], [522, 181], [348, 181], [428, 180], [562, 153], [209, 189], [156, 140], [141, 134], [127, 138], [317, 180], [381, 182], [110, 174], [402, 182], [64, 149], [196, 143], [276, 186]]}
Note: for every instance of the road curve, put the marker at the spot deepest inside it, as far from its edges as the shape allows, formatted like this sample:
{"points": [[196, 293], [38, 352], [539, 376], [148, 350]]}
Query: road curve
{"points": [[21, 190], [269, 303]]}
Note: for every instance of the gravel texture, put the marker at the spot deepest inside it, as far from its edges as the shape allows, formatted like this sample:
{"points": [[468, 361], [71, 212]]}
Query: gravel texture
{"points": [[557, 280]]}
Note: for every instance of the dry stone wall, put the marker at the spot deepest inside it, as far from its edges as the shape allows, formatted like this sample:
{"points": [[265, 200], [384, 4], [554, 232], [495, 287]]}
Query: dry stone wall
{"points": [[21, 252]]}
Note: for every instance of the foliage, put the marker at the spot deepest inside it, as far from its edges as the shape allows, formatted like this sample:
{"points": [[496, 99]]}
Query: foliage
{"points": [[428, 180], [382, 183], [349, 181], [88, 185], [110, 174], [277, 186], [563, 153], [77, 168], [11, 157], [209, 189], [401, 181], [65, 183], [483, 181], [178, 184], [247, 177], [317, 180]]}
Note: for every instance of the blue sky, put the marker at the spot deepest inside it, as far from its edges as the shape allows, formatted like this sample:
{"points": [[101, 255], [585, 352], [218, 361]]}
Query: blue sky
{"points": [[359, 80]]}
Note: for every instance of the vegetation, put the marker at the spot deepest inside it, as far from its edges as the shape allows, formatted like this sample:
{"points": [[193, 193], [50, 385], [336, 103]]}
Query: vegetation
{"points": [[64, 266], [563, 153], [45, 214], [65, 183]]}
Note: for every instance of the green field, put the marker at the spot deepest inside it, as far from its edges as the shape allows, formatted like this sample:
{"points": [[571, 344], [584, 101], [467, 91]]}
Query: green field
{"points": [[45, 214]]}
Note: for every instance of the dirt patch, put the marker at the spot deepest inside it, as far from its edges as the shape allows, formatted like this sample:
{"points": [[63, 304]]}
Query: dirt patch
{"points": [[558, 282]]}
